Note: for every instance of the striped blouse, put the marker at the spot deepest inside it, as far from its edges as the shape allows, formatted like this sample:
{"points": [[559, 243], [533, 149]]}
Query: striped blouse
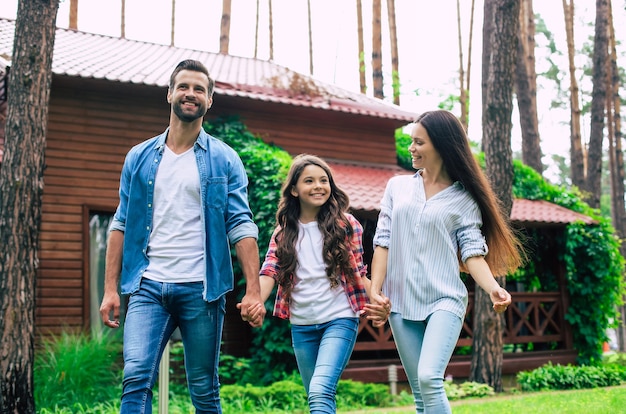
{"points": [[424, 238]]}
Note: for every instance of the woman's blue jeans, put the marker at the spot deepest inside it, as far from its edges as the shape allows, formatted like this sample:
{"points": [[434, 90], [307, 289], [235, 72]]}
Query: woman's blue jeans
{"points": [[322, 352], [425, 348], [153, 314]]}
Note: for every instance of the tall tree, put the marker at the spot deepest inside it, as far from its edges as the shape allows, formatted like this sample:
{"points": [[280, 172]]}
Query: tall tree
{"points": [[271, 18], [526, 87], [593, 187], [359, 20], [123, 20], [256, 31], [73, 15], [225, 27], [173, 31], [503, 18], [21, 187], [377, 54], [395, 73], [308, 6], [616, 159], [577, 151], [464, 76]]}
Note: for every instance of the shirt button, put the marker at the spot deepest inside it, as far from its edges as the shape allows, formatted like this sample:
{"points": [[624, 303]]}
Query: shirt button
{"points": [[149, 205]]}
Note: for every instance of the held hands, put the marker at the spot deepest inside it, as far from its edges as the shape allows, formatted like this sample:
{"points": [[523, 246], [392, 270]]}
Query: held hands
{"points": [[378, 309], [501, 299], [252, 310]]}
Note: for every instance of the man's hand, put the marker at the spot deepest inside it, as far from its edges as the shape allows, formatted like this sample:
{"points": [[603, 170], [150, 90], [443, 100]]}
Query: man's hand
{"points": [[110, 305], [252, 310]]}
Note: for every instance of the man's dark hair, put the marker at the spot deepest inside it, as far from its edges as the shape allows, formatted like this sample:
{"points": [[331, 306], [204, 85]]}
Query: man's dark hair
{"points": [[195, 65]]}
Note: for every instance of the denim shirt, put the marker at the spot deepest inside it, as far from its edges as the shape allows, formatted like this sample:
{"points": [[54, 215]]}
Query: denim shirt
{"points": [[225, 214]]}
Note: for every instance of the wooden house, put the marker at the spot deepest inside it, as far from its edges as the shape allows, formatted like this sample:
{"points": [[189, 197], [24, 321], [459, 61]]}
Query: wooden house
{"points": [[109, 94]]}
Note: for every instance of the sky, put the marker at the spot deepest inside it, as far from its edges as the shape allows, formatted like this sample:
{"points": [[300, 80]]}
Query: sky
{"points": [[427, 42]]}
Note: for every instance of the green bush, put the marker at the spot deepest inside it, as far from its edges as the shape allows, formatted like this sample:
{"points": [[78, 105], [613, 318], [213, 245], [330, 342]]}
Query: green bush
{"points": [[467, 389], [77, 368], [568, 377], [266, 166]]}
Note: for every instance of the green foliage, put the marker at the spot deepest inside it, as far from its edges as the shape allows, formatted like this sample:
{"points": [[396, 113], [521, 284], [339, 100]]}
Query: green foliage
{"points": [[267, 167], [467, 389], [78, 368], [351, 394], [567, 377], [594, 265], [403, 141], [281, 395]]}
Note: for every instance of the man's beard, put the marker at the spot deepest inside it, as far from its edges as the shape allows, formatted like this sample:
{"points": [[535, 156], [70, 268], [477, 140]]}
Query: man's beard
{"points": [[186, 117]]}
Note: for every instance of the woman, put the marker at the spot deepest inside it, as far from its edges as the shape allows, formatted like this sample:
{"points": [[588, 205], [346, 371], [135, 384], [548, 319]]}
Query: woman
{"points": [[441, 220]]}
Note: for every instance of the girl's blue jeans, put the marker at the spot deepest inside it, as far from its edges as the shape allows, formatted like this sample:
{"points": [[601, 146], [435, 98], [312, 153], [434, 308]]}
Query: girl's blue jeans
{"points": [[425, 348], [322, 352], [153, 314]]}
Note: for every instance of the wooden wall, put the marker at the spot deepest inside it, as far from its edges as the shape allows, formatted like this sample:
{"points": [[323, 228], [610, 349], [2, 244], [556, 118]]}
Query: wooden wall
{"points": [[91, 126]]}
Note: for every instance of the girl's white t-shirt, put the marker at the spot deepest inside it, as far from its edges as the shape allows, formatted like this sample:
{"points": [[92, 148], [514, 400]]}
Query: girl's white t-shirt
{"points": [[312, 299]]}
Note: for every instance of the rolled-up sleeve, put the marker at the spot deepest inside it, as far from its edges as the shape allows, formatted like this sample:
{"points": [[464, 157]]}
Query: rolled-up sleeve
{"points": [[469, 236]]}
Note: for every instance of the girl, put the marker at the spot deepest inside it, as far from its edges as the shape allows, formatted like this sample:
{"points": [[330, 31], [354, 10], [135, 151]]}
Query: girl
{"points": [[428, 222], [315, 256]]}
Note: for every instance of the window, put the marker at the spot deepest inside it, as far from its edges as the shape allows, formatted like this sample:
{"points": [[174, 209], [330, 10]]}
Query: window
{"points": [[98, 234]]}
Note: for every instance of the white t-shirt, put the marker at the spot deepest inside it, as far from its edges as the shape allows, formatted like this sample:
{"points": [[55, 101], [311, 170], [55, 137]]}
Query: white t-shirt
{"points": [[175, 248], [312, 299]]}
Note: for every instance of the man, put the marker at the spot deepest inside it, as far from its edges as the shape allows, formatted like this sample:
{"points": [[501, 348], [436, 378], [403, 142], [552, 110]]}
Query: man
{"points": [[183, 199]]}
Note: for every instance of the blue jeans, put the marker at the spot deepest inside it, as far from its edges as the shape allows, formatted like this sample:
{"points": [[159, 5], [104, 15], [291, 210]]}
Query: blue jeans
{"points": [[425, 348], [322, 352], [153, 314]]}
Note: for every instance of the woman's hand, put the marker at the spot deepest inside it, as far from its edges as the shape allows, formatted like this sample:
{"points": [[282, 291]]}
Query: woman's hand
{"points": [[378, 309], [501, 299]]}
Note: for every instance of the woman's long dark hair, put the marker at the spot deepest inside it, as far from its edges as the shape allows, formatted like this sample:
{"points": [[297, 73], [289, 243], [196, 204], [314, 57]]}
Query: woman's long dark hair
{"points": [[449, 139], [331, 220]]}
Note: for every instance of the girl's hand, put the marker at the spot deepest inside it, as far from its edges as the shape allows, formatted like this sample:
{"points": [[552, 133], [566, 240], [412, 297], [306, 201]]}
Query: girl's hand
{"points": [[378, 309], [501, 299]]}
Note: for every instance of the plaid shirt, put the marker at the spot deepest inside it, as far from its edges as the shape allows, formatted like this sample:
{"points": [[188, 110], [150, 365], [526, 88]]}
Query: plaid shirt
{"points": [[355, 291]]}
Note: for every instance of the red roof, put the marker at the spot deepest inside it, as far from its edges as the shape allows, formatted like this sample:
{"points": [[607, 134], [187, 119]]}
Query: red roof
{"points": [[365, 185]]}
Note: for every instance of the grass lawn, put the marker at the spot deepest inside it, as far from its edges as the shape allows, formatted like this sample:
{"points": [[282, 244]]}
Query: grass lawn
{"points": [[591, 401]]}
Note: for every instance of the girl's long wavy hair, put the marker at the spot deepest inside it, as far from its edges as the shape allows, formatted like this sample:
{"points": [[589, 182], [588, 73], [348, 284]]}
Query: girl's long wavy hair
{"points": [[331, 220], [449, 139]]}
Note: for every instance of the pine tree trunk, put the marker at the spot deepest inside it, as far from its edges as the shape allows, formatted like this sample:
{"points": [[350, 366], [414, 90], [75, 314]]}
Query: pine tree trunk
{"points": [[617, 166], [526, 87], [73, 15], [395, 74], [486, 364], [462, 93], [359, 19], [21, 188], [271, 18], [256, 31], [593, 187], [577, 152], [173, 28], [225, 27], [123, 20], [377, 60], [308, 5]]}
